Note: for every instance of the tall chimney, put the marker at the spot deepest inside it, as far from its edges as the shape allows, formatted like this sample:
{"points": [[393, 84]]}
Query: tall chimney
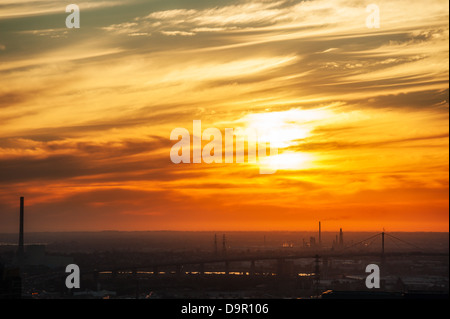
{"points": [[21, 248]]}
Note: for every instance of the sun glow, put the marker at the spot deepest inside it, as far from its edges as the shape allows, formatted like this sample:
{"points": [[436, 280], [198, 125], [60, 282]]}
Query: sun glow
{"points": [[283, 130], [288, 161]]}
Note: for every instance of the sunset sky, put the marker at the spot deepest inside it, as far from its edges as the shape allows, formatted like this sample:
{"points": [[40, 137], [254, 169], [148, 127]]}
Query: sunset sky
{"points": [[360, 116]]}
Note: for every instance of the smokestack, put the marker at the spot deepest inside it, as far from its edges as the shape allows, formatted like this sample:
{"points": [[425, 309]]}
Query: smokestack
{"points": [[21, 249]]}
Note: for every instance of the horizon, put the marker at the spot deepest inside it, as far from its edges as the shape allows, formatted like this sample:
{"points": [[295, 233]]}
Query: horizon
{"points": [[220, 231]]}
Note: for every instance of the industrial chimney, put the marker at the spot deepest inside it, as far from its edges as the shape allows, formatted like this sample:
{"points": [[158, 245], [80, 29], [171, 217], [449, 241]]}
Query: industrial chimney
{"points": [[21, 248]]}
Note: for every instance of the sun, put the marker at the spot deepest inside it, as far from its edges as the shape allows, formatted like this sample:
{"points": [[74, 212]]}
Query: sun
{"points": [[284, 130]]}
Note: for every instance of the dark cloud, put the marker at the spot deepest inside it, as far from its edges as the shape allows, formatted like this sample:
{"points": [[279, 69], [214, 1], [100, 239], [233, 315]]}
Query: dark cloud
{"points": [[12, 98], [436, 99], [305, 146], [87, 159]]}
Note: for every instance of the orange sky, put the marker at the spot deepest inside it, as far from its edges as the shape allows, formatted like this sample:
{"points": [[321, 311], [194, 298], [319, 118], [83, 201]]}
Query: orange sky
{"points": [[359, 116]]}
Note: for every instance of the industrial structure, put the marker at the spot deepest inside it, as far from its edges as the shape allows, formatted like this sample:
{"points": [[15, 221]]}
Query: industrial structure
{"points": [[34, 254]]}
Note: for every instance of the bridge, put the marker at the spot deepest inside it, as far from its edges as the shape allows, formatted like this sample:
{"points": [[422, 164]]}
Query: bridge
{"points": [[356, 250], [280, 258]]}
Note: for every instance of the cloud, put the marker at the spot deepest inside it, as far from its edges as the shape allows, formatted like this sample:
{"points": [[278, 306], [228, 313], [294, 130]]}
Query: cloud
{"points": [[305, 146], [32, 160], [127, 27], [175, 33], [25, 8]]}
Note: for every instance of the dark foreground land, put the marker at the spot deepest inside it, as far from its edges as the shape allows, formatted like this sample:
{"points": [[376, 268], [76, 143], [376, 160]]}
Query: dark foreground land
{"points": [[224, 265]]}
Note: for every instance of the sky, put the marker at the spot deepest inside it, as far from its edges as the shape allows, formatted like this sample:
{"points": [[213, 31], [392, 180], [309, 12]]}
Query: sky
{"points": [[359, 115]]}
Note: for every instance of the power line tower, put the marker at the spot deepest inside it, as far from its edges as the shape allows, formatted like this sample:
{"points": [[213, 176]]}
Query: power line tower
{"points": [[224, 245], [215, 244]]}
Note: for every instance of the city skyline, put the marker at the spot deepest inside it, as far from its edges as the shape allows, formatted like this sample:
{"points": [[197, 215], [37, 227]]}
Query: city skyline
{"points": [[359, 115]]}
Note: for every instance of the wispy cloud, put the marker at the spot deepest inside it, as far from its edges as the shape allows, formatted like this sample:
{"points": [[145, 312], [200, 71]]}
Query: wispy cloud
{"points": [[24, 8]]}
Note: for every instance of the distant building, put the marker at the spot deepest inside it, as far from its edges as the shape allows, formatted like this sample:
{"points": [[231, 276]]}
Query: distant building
{"points": [[10, 282], [287, 244], [35, 255]]}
